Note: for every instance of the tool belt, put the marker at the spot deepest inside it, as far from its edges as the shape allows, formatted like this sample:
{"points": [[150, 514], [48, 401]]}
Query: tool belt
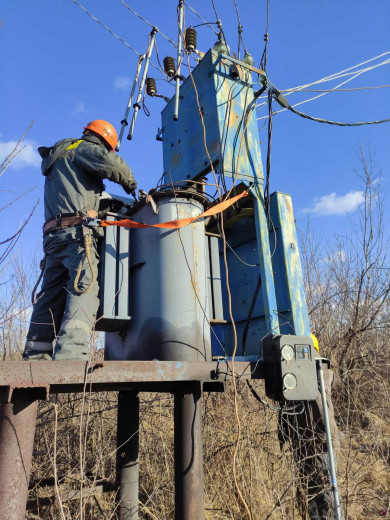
{"points": [[63, 220]]}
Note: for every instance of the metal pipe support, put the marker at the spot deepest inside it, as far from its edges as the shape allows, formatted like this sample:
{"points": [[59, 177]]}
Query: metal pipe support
{"points": [[332, 465], [17, 430], [127, 455], [137, 104], [179, 58], [189, 488], [124, 120]]}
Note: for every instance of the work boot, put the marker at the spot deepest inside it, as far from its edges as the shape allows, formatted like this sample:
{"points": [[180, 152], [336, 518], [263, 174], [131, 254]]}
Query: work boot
{"points": [[38, 350]]}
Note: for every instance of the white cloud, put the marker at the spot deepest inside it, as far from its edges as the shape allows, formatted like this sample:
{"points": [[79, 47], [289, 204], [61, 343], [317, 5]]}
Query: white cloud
{"points": [[334, 204], [28, 156], [121, 83], [79, 109], [338, 257]]}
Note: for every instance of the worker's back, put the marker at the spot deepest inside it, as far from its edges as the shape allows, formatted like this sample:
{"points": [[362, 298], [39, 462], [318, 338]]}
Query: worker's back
{"points": [[70, 187]]}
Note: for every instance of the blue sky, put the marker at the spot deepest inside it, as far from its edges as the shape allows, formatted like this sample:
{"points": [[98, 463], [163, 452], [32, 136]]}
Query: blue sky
{"points": [[61, 69]]}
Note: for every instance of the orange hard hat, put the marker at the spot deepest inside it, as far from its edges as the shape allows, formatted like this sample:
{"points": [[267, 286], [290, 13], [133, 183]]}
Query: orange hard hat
{"points": [[105, 130]]}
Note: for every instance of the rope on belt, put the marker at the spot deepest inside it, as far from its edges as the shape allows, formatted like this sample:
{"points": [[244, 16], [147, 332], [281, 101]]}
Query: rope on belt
{"points": [[42, 264], [87, 255]]}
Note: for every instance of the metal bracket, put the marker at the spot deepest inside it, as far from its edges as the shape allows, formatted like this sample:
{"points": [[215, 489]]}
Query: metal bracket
{"points": [[237, 62]]}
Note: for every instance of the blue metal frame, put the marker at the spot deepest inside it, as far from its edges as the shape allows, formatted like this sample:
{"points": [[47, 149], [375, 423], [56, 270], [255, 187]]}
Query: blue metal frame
{"points": [[230, 133]]}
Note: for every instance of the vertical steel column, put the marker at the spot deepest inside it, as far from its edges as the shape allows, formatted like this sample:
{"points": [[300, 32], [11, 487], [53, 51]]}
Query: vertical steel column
{"points": [[17, 429], [265, 261], [189, 489], [127, 455], [179, 59], [329, 446], [137, 104]]}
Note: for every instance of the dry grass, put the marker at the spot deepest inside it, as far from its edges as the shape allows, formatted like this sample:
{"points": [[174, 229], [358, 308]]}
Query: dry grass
{"points": [[267, 475]]}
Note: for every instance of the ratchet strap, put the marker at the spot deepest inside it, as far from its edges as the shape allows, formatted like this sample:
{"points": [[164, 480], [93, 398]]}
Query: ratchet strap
{"points": [[176, 224]]}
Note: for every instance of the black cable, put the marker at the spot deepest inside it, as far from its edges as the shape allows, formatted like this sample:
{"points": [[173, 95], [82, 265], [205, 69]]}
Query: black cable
{"points": [[219, 23], [240, 30], [263, 61], [268, 164], [248, 320], [232, 250], [203, 20], [278, 96], [290, 410]]}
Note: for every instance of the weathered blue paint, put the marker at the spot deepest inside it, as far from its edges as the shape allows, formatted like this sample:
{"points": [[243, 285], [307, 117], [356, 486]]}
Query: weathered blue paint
{"points": [[228, 111], [264, 252], [286, 263]]}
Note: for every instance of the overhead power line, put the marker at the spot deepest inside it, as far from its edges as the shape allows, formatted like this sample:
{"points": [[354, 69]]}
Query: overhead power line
{"points": [[346, 72], [146, 21], [263, 60], [337, 89], [355, 74], [278, 96], [240, 29], [201, 18], [112, 32]]}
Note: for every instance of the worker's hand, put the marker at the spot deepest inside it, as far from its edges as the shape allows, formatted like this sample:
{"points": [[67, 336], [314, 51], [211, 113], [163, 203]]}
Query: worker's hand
{"points": [[128, 190]]}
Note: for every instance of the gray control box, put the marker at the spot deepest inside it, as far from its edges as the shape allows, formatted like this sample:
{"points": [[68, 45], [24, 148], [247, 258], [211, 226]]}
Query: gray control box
{"points": [[290, 368]]}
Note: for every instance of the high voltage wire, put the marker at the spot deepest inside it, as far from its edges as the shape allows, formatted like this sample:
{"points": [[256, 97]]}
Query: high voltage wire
{"points": [[345, 72], [112, 32], [320, 95], [331, 78], [335, 76], [263, 60], [337, 90], [240, 29], [146, 21], [201, 18]]}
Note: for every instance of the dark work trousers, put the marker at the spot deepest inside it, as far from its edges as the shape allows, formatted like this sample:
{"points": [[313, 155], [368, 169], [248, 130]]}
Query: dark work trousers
{"points": [[60, 313], [306, 434]]}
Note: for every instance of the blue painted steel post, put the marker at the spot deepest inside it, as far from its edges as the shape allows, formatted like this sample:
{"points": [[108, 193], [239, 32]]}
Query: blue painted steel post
{"points": [[290, 291], [267, 277]]}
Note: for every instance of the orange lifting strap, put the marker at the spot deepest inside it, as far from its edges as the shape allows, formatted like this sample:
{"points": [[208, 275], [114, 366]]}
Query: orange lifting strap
{"points": [[176, 224]]}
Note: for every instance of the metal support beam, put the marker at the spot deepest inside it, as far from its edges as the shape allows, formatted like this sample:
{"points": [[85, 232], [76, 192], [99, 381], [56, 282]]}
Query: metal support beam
{"points": [[189, 489], [146, 376], [127, 455], [267, 277], [329, 446], [179, 59], [137, 104], [17, 429], [124, 121]]}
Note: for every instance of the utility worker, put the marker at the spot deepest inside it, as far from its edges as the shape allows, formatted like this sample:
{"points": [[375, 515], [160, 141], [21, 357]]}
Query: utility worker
{"points": [[306, 434], [66, 307]]}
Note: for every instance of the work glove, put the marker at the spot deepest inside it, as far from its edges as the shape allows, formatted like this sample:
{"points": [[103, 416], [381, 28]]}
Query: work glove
{"points": [[128, 190]]}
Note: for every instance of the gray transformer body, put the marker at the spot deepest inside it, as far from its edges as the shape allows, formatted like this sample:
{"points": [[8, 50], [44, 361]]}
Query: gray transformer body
{"points": [[169, 297]]}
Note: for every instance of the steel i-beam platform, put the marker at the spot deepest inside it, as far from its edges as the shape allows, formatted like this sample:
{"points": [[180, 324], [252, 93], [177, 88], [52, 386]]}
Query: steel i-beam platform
{"points": [[23, 383]]}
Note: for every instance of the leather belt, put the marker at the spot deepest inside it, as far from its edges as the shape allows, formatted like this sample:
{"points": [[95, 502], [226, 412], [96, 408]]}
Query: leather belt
{"points": [[61, 222]]}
